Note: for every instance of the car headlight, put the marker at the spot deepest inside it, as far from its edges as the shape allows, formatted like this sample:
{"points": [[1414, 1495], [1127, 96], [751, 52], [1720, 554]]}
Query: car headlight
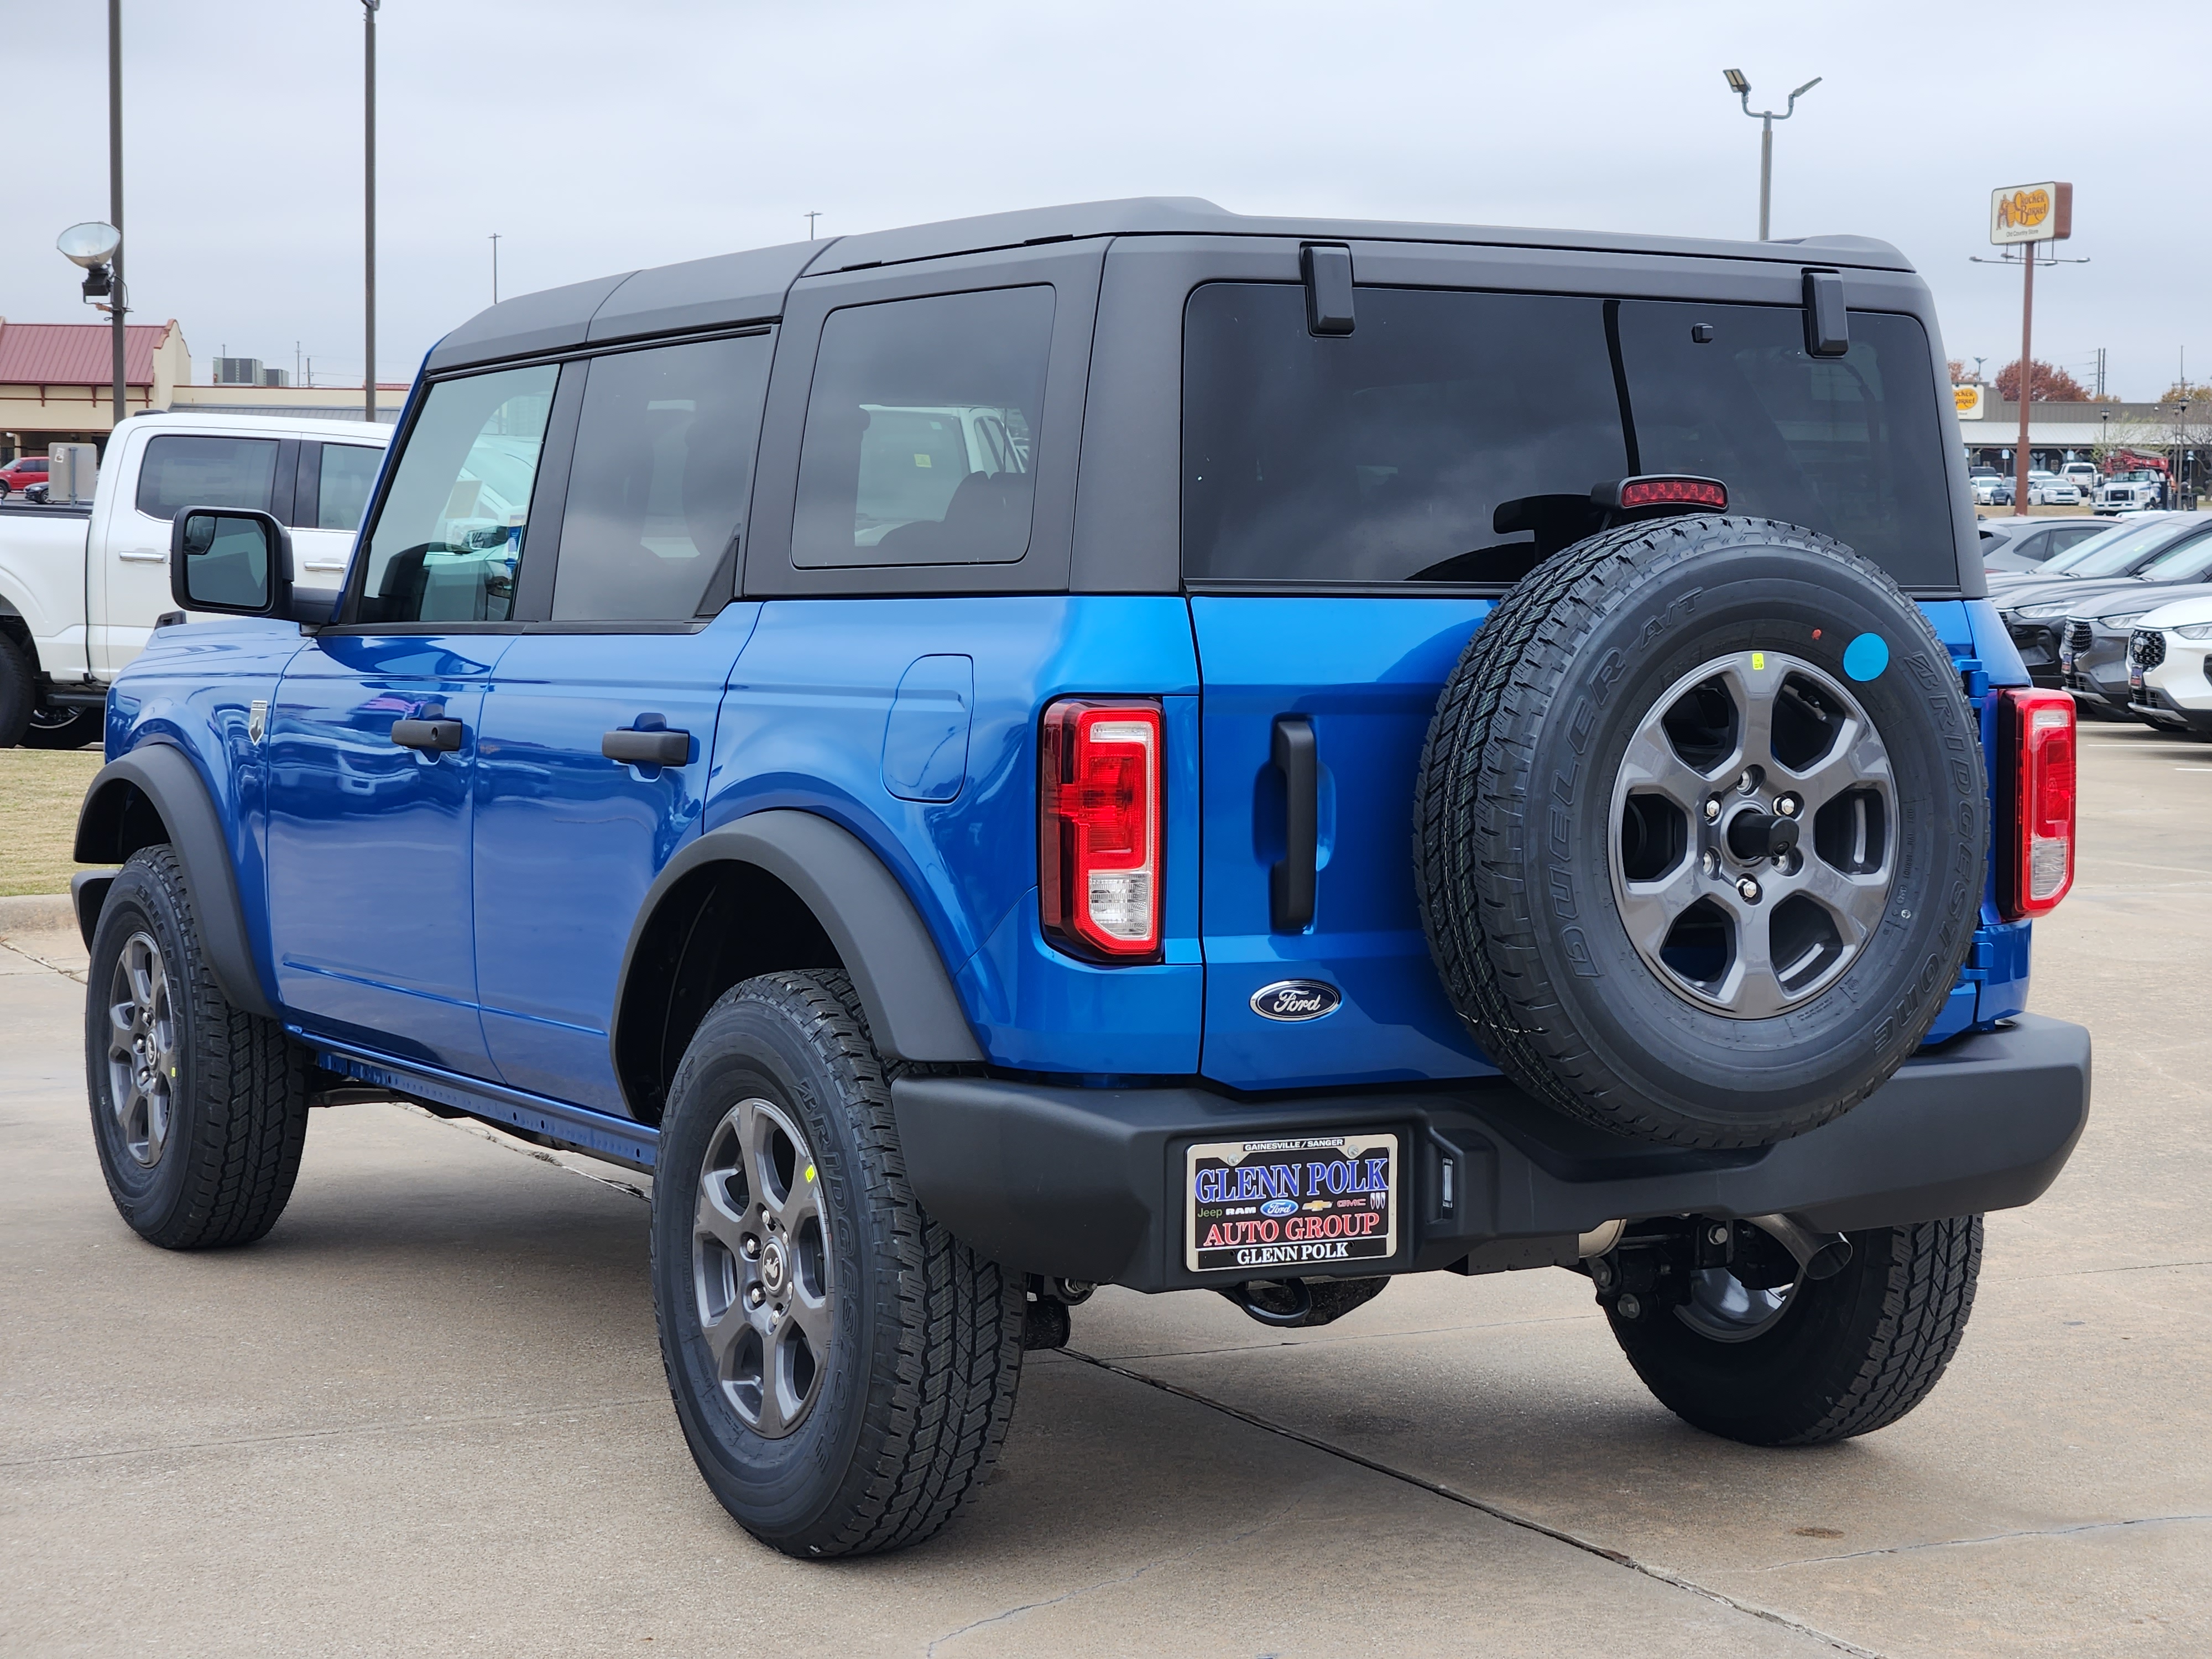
{"points": [[2048, 608], [2194, 630], [2121, 624]]}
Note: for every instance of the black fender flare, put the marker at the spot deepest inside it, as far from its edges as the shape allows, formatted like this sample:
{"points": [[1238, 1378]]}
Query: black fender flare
{"points": [[913, 1013], [173, 786]]}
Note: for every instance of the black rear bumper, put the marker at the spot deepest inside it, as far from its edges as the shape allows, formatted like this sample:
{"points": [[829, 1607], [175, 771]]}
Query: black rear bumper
{"points": [[1086, 1183]]}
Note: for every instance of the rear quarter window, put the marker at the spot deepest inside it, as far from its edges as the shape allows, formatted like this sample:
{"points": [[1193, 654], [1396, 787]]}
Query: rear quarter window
{"points": [[1455, 436]]}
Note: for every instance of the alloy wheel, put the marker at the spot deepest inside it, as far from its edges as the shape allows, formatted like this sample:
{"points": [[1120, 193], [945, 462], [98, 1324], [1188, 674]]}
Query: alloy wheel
{"points": [[761, 1268], [1754, 819], [142, 1050]]}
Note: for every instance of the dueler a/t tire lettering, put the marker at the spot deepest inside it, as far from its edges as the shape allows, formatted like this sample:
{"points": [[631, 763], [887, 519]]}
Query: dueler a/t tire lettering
{"points": [[1515, 808]]}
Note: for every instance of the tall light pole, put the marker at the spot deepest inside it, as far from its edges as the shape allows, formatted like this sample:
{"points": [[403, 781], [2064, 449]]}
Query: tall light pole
{"points": [[1742, 87], [495, 267], [368, 204], [115, 192]]}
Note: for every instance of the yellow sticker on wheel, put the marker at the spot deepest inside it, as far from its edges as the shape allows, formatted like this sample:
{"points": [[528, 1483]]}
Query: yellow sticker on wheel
{"points": [[1757, 661]]}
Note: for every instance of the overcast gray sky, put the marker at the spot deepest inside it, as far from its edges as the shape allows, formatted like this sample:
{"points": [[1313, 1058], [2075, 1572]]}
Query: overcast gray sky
{"points": [[598, 137]]}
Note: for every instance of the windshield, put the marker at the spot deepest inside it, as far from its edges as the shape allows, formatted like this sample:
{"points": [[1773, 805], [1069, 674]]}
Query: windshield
{"points": [[2115, 552], [1456, 436], [2189, 562]]}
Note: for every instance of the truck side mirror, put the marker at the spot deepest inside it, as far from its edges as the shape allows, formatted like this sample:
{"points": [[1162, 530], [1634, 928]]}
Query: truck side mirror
{"points": [[238, 561]]}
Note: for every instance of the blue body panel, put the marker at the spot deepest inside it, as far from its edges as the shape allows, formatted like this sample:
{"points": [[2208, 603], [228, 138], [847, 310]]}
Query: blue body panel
{"points": [[194, 689], [568, 841], [370, 860], [1365, 673], [816, 718]]}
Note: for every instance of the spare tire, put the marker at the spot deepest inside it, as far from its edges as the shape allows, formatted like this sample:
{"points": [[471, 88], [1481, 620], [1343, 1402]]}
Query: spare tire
{"points": [[1701, 830]]}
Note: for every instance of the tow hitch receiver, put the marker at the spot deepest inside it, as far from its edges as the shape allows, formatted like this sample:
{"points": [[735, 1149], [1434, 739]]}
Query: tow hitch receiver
{"points": [[1684, 1262]]}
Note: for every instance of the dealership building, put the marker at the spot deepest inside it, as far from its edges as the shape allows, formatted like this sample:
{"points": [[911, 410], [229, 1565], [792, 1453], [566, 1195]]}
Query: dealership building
{"points": [[57, 384], [2058, 432]]}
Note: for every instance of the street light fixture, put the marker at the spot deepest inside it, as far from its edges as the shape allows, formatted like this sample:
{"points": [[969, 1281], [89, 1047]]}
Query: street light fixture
{"points": [[1742, 87], [97, 247]]}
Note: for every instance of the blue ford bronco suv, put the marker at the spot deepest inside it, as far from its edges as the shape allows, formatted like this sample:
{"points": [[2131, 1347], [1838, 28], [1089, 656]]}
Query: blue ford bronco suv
{"points": [[1130, 745]]}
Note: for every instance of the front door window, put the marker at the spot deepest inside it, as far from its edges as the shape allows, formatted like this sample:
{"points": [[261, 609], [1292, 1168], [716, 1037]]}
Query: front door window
{"points": [[450, 538]]}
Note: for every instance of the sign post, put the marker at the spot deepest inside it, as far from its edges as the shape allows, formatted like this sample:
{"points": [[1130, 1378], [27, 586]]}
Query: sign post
{"points": [[2029, 213]]}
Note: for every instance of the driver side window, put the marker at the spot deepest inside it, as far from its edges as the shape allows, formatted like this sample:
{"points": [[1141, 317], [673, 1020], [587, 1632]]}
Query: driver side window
{"points": [[450, 539]]}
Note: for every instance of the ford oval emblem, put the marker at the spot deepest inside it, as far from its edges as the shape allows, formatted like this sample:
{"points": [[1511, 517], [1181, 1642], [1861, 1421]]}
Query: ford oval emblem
{"points": [[1296, 999], [1279, 1206]]}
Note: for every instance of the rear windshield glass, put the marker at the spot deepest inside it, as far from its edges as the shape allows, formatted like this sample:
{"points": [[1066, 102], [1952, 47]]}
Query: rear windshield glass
{"points": [[1456, 436]]}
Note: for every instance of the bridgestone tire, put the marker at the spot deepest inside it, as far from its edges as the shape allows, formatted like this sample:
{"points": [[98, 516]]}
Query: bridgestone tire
{"points": [[238, 1113], [19, 691], [1514, 811], [1851, 1354], [926, 1349]]}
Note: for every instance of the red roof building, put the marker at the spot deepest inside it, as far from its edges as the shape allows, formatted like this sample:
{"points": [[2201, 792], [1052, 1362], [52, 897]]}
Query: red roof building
{"points": [[56, 379]]}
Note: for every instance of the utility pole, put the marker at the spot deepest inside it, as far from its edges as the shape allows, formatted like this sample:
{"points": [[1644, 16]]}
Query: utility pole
{"points": [[2020, 462], [116, 307], [495, 267], [811, 218], [368, 204], [1742, 87]]}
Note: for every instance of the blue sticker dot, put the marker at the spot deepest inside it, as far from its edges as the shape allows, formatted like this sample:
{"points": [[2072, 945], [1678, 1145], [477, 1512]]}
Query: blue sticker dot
{"points": [[1865, 656]]}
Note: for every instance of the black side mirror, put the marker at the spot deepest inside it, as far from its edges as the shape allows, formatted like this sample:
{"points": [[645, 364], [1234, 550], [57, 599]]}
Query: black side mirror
{"points": [[238, 561]]}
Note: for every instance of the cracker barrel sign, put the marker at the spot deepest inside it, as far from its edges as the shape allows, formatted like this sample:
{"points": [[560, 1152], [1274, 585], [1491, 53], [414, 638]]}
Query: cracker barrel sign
{"points": [[1968, 401], [2032, 213]]}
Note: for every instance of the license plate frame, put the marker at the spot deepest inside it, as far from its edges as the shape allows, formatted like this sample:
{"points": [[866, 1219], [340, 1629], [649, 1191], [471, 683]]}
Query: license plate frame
{"points": [[1251, 1224]]}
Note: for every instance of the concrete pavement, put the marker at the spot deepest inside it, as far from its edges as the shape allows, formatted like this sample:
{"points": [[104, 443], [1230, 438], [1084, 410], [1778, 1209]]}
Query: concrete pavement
{"points": [[427, 1414]]}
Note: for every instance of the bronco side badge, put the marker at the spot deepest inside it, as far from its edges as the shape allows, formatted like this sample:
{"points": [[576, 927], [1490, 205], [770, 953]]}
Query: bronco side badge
{"points": [[1296, 999], [257, 719]]}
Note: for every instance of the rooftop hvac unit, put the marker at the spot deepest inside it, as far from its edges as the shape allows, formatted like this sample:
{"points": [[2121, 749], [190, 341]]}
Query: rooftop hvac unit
{"points": [[276, 377], [238, 371]]}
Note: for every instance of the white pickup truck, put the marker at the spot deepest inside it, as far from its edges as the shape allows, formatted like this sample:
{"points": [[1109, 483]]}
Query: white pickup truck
{"points": [[82, 589]]}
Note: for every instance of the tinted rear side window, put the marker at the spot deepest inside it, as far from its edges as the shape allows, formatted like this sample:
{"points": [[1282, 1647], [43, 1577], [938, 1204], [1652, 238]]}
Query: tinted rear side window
{"points": [[1456, 436], [663, 472], [181, 471], [346, 474], [921, 428]]}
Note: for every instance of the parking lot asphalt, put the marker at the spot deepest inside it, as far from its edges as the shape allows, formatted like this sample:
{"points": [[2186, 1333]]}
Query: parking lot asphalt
{"points": [[427, 1414]]}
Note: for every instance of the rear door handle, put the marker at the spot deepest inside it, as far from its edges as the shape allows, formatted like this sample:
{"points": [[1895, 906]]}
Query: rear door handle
{"points": [[435, 737], [1290, 881], [144, 555], [660, 747]]}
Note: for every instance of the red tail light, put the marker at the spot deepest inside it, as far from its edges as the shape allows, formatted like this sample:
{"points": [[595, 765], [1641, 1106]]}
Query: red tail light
{"points": [[2039, 745], [1098, 846], [1660, 489]]}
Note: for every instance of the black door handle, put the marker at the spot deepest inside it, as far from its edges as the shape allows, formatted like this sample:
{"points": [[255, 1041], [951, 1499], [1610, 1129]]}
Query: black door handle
{"points": [[654, 748], [435, 737], [1290, 881]]}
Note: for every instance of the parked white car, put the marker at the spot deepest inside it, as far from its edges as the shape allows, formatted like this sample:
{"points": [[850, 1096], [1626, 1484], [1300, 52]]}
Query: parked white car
{"points": [[2049, 489], [2170, 666], [82, 589]]}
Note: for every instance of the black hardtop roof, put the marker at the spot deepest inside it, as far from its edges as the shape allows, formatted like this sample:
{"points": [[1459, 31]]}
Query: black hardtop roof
{"points": [[735, 288]]}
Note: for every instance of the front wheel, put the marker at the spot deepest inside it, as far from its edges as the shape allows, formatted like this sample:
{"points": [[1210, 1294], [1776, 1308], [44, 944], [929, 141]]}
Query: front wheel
{"points": [[1819, 1360], [199, 1109], [843, 1368]]}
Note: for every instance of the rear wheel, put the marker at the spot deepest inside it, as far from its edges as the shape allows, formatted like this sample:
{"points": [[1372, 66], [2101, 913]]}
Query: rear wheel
{"points": [[842, 1367], [1816, 1360], [50, 727]]}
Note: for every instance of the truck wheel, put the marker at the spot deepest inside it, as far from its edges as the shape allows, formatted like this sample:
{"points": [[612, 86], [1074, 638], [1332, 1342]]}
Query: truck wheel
{"points": [[1701, 831], [63, 728], [199, 1109], [843, 1368], [1821, 1360], [19, 691]]}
